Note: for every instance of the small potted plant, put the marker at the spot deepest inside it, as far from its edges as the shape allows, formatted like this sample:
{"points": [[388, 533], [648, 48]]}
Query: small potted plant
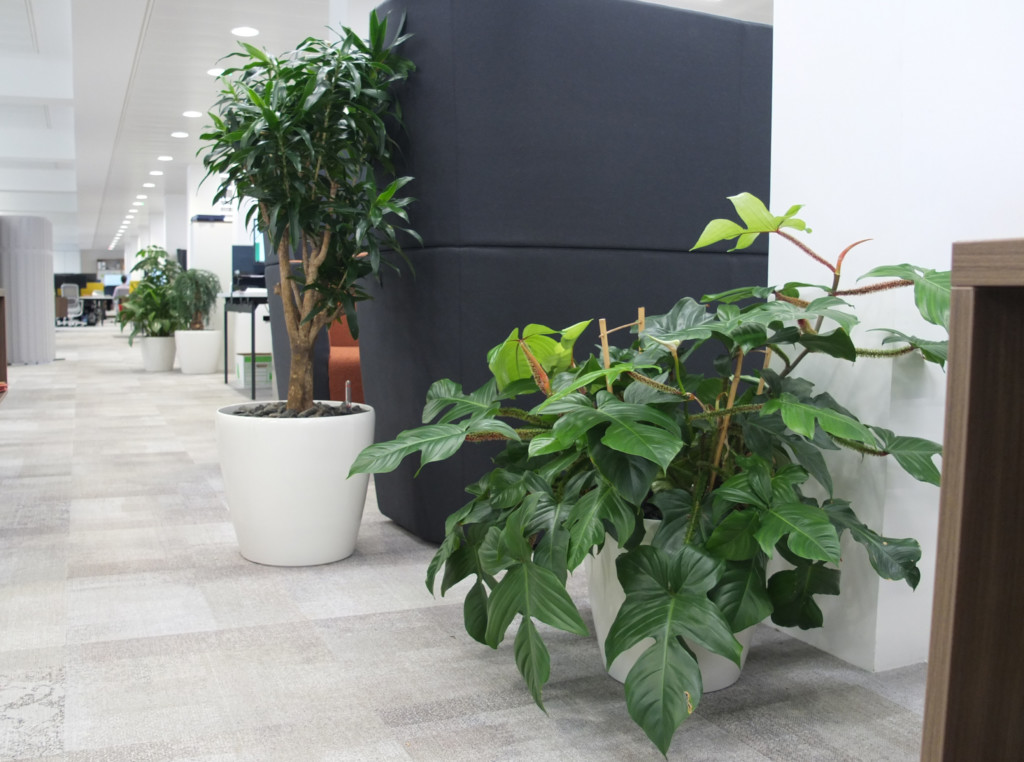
{"points": [[194, 293], [307, 136], [149, 308], [678, 479]]}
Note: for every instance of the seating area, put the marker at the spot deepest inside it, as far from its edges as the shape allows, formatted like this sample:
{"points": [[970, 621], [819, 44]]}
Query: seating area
{"points": [[343, 363]]}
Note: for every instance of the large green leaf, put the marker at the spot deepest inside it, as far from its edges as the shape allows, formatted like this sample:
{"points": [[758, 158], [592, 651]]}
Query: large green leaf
{"points": [[535, 592], [662, 614], [630, 475], [738, 490], [932, 289], [733, 538], [801, 418], [836, 344], [891, 557], [548, 523], [686, 321], [688, 570], [792, 594], [587, 517], [675, 506], [508, 362], [757, 219], [532, 658], [915, 455], [742, 595], [807, 529], [474, 612], [434, 443], [445, 393], [932, 350], [640, 430], [663, 689], [586, 530]]}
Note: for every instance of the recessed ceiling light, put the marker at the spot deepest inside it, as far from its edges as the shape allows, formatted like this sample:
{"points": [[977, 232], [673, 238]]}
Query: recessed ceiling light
{"points": [[192, 114], [156, 173], [165, 158], [142, 196], [214, 72], [179, 134], [138, 203], [149, 185], [245, 31]]}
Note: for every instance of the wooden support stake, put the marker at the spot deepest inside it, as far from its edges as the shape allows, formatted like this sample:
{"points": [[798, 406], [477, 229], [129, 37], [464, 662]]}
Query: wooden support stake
{"points": [[605, 353], [767, 362]]}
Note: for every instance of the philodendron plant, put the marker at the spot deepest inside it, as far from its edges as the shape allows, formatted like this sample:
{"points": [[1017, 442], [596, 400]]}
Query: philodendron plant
{"points": [[730, 461], [149, 308]]}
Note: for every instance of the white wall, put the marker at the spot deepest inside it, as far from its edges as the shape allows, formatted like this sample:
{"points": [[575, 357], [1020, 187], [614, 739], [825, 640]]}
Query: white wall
{"points": [[897, 121]]}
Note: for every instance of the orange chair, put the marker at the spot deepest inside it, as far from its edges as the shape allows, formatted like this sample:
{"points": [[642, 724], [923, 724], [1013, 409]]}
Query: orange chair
{"points": [[343, 363]]}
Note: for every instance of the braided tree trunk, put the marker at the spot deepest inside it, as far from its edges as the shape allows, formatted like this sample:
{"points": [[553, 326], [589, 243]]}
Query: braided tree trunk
{"points": [[297, 304]]}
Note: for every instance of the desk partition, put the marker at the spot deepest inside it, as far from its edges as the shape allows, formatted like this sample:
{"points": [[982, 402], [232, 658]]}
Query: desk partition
{"points": [[975, 693], [566, 155]]}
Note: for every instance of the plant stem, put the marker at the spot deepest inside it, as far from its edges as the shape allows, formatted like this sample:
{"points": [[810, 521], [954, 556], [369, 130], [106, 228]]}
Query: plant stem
{"points": [[728, 411], [724, 430], [806, 249], [885, 352], [519, 415], [698, 498]]}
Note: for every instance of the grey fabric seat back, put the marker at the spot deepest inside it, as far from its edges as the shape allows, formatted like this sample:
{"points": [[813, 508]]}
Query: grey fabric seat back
{"points": [[566, 156]]}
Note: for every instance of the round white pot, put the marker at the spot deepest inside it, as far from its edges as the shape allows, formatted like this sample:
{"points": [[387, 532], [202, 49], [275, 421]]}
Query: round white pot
{"points": [[199, 351], [157, 353], [286, 486], [607, 596]]}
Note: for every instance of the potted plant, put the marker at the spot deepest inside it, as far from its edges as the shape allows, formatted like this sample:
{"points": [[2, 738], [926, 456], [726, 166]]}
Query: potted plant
{"points": [[691, 474], [149, 308], [194, 294], [307, 136]]}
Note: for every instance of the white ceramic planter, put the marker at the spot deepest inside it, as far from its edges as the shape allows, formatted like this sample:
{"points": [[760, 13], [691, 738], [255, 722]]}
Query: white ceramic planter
{"points": [[157, 353], [607, 596], [199, 351], [286, 486]]}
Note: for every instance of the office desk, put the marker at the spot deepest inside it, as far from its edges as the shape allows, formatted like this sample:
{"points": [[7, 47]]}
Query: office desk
{"points": [[243, 303], [97, 305]]}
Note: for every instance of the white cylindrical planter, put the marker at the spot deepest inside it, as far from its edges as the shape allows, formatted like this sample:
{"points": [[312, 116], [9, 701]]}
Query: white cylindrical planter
{"points": [[26, 275], [285, 480], [157, 353], [607, 597], [199, 351]]}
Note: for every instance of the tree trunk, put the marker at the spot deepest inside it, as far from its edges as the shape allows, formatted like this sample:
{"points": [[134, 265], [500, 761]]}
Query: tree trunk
{"points": [[300, 376]]}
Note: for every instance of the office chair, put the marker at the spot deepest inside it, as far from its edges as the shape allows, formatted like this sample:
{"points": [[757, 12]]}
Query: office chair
{"points": [[70, 292]]}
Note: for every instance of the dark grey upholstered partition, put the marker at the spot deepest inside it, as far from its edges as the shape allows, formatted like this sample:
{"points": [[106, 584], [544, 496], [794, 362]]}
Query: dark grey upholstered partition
{"points": [[566, 155]]}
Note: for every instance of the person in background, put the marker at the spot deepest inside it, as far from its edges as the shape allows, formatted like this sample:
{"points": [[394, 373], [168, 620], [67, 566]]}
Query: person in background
{"points": [[121, 292]]}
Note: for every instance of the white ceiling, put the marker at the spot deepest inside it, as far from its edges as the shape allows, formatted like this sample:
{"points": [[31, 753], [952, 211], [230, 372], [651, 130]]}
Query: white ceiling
{"points": [[91, 90]]}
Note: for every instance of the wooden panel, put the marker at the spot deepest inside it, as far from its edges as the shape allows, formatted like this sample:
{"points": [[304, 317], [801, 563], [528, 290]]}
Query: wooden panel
{"points": [[975, 693], [989, 263]]}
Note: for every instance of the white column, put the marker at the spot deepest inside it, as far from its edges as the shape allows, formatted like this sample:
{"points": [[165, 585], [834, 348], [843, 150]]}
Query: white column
{"points": [[176, 225], [893, 121], [26, 275]]}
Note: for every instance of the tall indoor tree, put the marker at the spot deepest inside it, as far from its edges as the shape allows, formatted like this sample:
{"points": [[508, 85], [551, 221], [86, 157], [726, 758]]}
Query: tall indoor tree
{"points": [[308, 135]]}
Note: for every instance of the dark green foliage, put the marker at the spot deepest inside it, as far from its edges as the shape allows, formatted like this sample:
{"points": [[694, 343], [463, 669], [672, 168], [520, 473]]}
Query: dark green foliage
{"points": [[149, 309], [731, 462]]}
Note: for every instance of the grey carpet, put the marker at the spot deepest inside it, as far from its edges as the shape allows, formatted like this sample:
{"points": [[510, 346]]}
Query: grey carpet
{"points": [[131, 629]]}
